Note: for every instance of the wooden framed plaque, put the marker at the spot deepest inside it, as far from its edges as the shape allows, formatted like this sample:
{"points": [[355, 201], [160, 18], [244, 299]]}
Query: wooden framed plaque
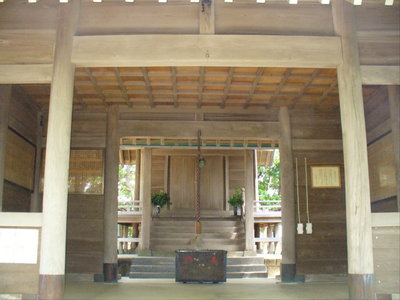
{"points": [[325, 177]]}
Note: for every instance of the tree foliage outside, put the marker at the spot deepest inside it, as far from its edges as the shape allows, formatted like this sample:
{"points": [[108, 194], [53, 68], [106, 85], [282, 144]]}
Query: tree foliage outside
{"points": [[126, 183], [268, 180]]}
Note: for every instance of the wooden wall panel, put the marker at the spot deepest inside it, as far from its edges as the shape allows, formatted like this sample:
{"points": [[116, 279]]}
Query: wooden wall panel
{"points": [[85, 234], [16, 198], [251, 18], [386, 244], [141, 17], [378, 34], [88, 129], [22, 118], [236, 173], [23, 114], [212, 184], [325, 250], [157, 173], [382, 170], [182, 182]]}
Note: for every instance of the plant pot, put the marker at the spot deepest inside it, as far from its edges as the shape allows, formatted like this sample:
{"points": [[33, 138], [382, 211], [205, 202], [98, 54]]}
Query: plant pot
{"points": [[157, 210], [235, 210]]}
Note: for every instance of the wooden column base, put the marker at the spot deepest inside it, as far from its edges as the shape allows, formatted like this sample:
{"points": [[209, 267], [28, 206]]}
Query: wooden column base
{"points": [[361, 286], [51, 287], [288, 272], [110, 272]]}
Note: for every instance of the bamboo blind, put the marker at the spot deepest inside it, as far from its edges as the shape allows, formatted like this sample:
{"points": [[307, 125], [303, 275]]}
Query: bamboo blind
{"points": [[19, 160]]}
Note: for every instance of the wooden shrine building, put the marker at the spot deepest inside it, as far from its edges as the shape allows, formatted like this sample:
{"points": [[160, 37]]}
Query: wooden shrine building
{"points": [[84, 83]]}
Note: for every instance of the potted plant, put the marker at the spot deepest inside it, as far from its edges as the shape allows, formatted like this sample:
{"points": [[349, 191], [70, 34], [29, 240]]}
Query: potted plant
{"points": [[159, 200], [236, 200]]}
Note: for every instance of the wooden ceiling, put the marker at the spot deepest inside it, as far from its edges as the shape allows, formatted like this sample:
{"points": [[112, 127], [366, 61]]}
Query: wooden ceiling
{"points": [[198, 87]]}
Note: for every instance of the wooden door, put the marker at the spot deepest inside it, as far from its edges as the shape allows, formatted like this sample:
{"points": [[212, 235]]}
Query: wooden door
{"points": [[182, 182], [212, 184]]}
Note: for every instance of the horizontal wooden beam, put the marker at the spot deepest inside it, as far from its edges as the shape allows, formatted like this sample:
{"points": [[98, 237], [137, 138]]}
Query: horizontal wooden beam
{"points": [[188, 129], [384, 75], [193, 152], [386, 219], [206, 50], [26, 74], [318, 145]]}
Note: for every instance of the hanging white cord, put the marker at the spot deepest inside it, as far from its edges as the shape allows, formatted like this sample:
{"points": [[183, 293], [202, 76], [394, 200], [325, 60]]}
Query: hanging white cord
{"points": [[308, 213], [297, 188]]}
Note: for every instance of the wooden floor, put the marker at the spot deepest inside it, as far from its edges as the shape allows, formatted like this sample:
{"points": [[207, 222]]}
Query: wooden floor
{"points": [[234, 289]]}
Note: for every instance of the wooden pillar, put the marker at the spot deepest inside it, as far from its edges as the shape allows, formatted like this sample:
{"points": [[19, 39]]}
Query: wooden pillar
{"points": [[288, 265], [226, 177], [55, 195], [249, 199], [145, 196], [110, 262], [5, 98], [137, 175], [358, 207], [394, 101], [35, 197]]}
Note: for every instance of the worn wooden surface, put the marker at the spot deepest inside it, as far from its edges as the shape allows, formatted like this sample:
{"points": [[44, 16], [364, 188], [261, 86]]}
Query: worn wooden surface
{"points": [[381, 158], [386, 243], [5, 96], [85, 224], [323, 251], [358, 209], [287, 188]]}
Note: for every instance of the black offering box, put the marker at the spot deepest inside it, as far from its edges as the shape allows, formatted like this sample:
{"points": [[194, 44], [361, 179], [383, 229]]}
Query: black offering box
{"points": [[200, 266]]}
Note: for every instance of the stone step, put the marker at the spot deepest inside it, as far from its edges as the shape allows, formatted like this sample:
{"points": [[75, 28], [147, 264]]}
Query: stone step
{"points": [[178, 229], [192, 222], [247, 275], [153, 268], [142, 260], [245, 268], [206, 235], [164, 267], [245, 260], [156, 275], [203, 242], [170, 268], [192, 247]]}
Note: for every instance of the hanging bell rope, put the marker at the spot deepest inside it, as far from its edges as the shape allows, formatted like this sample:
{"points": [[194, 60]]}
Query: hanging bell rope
{"points": [[200, 161]]}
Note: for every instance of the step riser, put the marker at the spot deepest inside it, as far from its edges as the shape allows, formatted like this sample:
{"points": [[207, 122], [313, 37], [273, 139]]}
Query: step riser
{"points": [[191, 229], [173, 248], [217, 235], [206, 243]]}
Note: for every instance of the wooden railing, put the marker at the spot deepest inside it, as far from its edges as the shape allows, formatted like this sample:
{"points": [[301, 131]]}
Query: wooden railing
{"points": [[129, 207], [127, 245], [267, 207], [270, 240]]}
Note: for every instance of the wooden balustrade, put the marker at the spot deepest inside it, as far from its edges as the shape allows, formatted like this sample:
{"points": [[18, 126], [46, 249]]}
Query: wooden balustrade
{"points": [[270, 240], [129, 207]]}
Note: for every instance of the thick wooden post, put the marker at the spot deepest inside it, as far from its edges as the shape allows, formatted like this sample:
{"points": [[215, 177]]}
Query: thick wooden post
{"points": [[145, 195], [35, 197], [249, 199], [110, 263], [55, 195], [137, 176], [358, 207], [394, 101], [5, 97], [288, 265]]}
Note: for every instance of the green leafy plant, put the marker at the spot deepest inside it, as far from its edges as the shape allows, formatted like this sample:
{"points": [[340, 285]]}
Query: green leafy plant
{"points": [[236, 199], [160, 199]]}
